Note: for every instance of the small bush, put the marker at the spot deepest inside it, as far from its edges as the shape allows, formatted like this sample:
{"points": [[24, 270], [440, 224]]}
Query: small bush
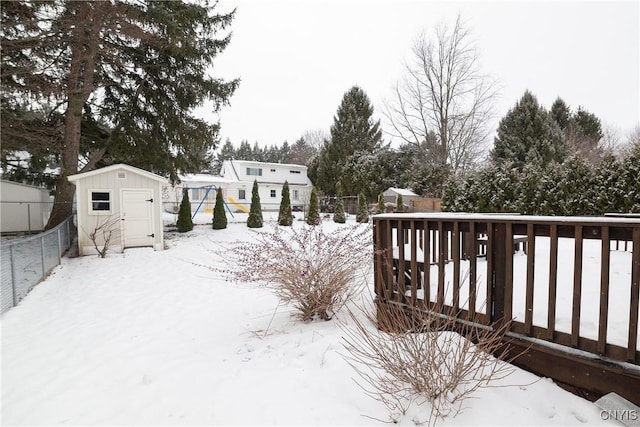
{"points": [[314, 271], [413, 357], [184, 215], [219, 215], [255, 211], [339, 215], [382, 208], [313, 217], [285, 216], [362, 215], [399, 204]]}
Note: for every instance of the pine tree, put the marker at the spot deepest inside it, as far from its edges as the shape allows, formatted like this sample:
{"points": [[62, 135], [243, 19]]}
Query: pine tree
{"points": [[528, 133], [339, 215], [219, 215], [313, 217], [362, 215], [353, 132], [285, 216], [382, 208], [118, 80], [399, 204], [184, 214], [255, 211]]}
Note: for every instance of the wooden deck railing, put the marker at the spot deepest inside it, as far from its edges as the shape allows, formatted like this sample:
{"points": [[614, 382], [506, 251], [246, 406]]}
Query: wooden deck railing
{"points": [[552, 277]]}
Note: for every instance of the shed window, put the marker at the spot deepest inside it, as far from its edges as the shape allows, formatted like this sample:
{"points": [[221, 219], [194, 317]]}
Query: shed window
{"points": [[254, 171], [100, 202]]}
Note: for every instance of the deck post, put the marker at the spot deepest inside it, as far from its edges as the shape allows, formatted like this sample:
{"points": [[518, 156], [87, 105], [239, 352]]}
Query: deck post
{"points": [[498, 272]]}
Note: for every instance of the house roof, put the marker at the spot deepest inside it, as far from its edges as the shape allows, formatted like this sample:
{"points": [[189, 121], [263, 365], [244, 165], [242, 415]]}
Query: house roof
{"points": [[120, 166], [402, 191]]}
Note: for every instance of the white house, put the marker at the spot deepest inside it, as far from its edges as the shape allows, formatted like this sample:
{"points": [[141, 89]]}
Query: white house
{"points": [[236, 181], [23, 207], [122, 202]]}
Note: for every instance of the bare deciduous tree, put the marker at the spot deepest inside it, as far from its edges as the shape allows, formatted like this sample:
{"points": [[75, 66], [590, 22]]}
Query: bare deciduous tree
{"points": [[103, 232], [444, 91]]}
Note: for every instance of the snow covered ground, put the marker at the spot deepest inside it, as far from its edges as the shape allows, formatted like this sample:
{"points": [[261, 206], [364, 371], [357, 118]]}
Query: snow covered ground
{"points": [[150, 338]]}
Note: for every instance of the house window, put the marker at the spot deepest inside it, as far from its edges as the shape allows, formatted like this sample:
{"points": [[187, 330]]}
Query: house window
{"points": [[242, 195], [273, 193], [294, 194], [100, 202], [254, 171], [294, 171], [195, 194]]}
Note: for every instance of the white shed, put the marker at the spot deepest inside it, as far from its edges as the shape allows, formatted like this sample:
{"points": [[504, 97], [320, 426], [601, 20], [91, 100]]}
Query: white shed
{"points": [[121, 202], [23, 207], [391, 194]]}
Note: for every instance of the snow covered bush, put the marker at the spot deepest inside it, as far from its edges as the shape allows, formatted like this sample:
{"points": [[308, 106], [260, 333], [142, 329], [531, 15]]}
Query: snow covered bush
{"points": [[255, 211], [185, 223], [313, 217], [315, 271], [404, 357], [219, 215], [362, 214]]}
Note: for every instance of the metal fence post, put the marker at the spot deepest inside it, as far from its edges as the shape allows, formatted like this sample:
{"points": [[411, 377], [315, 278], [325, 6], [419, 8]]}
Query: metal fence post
{"points": [[44, 267], [13, 277], [59, 247]]}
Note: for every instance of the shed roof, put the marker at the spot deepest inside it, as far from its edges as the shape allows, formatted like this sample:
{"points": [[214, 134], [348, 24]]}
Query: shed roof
{"points": [[119, 166], [403, 191]]}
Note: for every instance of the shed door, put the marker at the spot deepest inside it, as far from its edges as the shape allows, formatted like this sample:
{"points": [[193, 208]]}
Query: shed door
{"points": [[137, 218]]}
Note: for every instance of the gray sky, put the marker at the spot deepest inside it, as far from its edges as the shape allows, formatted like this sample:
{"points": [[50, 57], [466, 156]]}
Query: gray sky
{"points": [[297, 58]]}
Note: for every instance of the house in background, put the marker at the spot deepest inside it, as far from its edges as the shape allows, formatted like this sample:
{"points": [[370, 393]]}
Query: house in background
{"points": [[24, 208], [125, 201], [236, 181]]}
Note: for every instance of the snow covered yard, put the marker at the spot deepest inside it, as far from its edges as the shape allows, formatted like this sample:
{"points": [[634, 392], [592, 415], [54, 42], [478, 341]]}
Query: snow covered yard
{"points": [[150, 338]]}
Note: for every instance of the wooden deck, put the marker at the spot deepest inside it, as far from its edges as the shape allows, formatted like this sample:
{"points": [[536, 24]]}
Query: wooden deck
{"points": [[439, 260]]}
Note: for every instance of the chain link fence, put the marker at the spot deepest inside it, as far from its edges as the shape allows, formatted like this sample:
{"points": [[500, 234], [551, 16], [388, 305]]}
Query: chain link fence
{"points": [[27, 261]]}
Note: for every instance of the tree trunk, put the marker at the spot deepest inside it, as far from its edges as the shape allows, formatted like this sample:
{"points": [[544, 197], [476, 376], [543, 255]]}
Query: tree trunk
{"points": [[84, 46]]}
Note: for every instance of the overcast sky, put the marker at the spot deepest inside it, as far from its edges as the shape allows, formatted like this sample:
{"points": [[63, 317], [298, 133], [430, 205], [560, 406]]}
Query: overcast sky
{"points": [[296, 58]]}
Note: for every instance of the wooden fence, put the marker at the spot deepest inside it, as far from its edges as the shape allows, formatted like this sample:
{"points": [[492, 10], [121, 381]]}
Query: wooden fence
{"points": [[551, 276]]}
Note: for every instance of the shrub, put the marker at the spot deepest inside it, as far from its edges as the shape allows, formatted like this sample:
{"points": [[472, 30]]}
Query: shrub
{"points": [[255, 211], [362, 215], [285, 216], [399, 203], [314, 271], [313, 217], [219, 215], [184, 215], [382, 208], [339, 215], [413, 357]]}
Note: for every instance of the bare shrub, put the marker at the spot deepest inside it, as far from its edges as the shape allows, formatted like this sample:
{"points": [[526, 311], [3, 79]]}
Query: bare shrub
{"points": [[315, 271], [413, 357], [103, 232]]}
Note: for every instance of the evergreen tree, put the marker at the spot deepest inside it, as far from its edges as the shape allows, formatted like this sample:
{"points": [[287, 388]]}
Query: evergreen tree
{"points": [[219, 214], [560, 113], [339, 215], [362, 215], [118, 81], [285, 216], [399, 204], [630, 182], [382, 208], [353, 131], [528, 133], [255, 211], [184, 214], [313, 217], [226, 152]]}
